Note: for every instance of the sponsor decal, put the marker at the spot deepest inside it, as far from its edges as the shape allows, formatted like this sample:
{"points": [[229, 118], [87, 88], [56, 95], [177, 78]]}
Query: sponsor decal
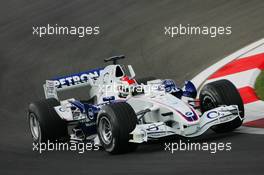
{"points": [[189, 114], [90, 114], [153, 127], [61, 109], [76, 78], [212, 114]]}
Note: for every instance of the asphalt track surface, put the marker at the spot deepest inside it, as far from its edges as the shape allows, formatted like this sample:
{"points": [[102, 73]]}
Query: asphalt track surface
{"points": [[133, 28]]}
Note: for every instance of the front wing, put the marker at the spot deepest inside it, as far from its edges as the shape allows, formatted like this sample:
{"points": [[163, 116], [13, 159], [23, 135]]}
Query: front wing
{"points": [[152, 131]]}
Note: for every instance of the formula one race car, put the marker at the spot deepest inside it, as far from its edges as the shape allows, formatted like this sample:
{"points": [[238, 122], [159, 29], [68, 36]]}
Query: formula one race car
{"points": [[121, 111]]}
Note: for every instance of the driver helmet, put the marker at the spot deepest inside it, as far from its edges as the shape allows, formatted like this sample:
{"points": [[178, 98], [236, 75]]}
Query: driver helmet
{"points": [[170, 86]]}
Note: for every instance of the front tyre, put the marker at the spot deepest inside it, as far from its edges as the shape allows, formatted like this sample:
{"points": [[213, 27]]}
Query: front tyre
{"points": [[218, 93], [115, 122]]}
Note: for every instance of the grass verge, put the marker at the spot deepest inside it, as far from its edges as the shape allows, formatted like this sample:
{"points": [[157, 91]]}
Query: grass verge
{"points": [[259, 86]]}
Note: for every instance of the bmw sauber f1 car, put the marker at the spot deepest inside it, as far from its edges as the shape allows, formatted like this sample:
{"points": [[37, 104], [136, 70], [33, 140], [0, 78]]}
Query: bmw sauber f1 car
{"points": [[120, 111]]}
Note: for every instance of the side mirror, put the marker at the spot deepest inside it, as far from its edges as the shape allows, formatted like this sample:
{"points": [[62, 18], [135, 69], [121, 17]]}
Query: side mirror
{"points": [[131, 71]]}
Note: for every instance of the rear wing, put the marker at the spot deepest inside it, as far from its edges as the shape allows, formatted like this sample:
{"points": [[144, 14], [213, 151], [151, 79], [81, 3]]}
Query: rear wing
{"points": [[52, 86]]}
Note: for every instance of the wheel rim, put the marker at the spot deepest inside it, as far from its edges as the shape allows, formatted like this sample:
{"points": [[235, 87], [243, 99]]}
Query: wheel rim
{"points": [[34, 126], [105, 130], [209, 103]]}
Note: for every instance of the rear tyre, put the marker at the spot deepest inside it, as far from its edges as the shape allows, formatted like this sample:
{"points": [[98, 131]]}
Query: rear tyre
{"points": [[44, 122], [115, 122], [222, 92]]}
